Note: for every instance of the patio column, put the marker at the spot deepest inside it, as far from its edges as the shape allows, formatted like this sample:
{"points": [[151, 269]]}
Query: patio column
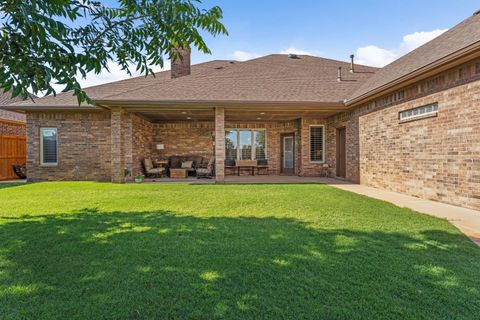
{"points": [[220, 145], [118, 146]]}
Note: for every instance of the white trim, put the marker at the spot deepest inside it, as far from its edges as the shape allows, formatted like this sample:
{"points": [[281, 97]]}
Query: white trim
{"points": [[310, 143], [48, 164], [405, 116]]}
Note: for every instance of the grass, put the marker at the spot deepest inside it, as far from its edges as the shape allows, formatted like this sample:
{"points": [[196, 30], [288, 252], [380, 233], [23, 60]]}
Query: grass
{"points": [[102, 251]]}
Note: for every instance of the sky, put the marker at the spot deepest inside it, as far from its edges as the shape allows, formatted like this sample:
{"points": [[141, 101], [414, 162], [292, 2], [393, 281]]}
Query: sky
{"points": [[377, 32]]}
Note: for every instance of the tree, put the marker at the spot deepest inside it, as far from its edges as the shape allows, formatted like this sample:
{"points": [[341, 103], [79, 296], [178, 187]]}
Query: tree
{"points": [[44, 42]]}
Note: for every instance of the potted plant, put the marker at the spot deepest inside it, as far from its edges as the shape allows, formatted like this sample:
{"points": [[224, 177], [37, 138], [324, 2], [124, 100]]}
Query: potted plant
{"points": [[139, 178]]}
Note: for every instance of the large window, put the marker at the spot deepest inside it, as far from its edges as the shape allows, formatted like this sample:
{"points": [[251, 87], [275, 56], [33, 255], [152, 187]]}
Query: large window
{"points": [[317, 144], [244, 144], [48, 146]]}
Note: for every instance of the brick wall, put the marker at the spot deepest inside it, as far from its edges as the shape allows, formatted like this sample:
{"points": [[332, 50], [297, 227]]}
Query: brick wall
{"points": [[436, 158], [12, 128], [307, 167], [142, 143], [196, 138], [84, 146]]}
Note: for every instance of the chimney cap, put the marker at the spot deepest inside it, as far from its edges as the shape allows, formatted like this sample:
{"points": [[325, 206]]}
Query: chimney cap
{"points": [[293, 56], [476, 12]]}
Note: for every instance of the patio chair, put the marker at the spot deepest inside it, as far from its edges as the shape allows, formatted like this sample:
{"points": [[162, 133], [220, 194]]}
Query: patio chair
{"points": [[150, 170], [206, 172]]}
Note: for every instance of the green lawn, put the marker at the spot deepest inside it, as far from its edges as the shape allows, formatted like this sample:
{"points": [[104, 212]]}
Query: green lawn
{"points": [[103, 251]]}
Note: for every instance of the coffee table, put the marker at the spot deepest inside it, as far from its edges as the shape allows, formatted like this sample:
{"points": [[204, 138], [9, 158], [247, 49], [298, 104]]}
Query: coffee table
{"points": [[178, 173]]}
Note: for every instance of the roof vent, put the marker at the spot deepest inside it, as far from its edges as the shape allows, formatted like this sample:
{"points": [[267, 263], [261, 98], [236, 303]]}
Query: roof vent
{"points": [[293, 56], [476, 12]]}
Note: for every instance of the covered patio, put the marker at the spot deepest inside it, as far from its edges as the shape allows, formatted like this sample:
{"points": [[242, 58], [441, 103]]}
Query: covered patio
{"points": [[286, 141]]}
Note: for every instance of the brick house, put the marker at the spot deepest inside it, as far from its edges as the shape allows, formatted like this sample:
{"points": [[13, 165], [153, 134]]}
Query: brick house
{"points": [[412, 126]]}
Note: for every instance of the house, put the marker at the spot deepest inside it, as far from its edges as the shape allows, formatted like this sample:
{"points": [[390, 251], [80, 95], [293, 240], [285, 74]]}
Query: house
{"points": [[12, 138], [411, 127]]}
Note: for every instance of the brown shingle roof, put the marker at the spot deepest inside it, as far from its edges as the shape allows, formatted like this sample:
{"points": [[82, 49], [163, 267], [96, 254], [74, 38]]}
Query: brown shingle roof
{"points": [[461, 36], [273, 78], [6, 99]]}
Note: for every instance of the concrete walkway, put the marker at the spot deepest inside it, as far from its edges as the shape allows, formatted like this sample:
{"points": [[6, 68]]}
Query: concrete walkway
{"points": [[467, 220]]}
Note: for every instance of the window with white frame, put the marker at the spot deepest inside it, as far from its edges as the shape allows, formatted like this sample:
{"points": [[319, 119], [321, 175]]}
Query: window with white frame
{"points": [[245, 144], [430, 109], [317, 143], [48, 146]]}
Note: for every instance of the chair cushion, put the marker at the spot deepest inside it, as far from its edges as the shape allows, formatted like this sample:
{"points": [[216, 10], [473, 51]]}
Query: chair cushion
{"points": [[156, 170], [175, 162], [196, 160], [187, 164], [148, 164]]}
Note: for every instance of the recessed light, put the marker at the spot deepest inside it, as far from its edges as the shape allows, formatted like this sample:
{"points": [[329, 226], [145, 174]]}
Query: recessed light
{"points": [[183, 112], [259, 118], [262, 112], [189, 118]]}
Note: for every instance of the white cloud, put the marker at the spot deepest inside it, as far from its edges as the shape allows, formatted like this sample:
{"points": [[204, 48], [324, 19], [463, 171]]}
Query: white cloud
{"points": [[295, 50], [374, 56], [244, 55], [378, 57], [416, 39]]}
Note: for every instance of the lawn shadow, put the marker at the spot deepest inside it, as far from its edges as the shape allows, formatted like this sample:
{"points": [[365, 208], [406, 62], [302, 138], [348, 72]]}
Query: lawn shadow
{"points": [[4, 185], [161, 265]]}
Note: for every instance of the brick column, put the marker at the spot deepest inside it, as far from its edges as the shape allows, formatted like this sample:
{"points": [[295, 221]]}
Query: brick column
{"points": [[220, 145], [128, 133], [118, 146]]}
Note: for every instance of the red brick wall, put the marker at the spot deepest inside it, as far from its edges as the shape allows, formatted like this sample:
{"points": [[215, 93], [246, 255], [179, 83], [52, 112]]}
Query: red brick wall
{"points": [[12, 128], [436, 158], [84, 145]]}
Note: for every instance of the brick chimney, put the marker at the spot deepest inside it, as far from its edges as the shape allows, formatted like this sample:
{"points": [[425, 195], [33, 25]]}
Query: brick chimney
{"points": [[181, 64]]}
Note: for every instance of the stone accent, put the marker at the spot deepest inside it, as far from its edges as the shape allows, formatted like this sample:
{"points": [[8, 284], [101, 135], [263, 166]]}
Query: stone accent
{"points": [[219, 145], [84, 146]]}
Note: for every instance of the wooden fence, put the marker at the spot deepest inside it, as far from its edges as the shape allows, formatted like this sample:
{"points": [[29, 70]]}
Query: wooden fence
{"points": [[12, 151]]}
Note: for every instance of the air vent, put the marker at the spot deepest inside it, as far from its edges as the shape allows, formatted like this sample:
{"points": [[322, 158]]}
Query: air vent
{"points": [[293, 56], [476, 12]]}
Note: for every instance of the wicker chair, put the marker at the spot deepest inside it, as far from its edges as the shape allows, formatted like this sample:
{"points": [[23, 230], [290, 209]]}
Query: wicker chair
{"points": [[150, 170], [206, 172]]}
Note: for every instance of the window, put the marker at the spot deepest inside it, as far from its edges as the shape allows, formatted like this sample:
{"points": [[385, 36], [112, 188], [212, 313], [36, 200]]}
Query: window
{"points": [[48, 146], [245, 144], [430, 109], [317, 143]]}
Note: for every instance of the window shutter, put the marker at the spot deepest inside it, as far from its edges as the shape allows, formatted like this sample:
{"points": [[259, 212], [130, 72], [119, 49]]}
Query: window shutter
{"points": [[316, 143]]}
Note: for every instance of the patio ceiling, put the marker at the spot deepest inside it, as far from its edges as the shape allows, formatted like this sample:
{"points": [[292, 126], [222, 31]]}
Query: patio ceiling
{"points": [[236, 114]]}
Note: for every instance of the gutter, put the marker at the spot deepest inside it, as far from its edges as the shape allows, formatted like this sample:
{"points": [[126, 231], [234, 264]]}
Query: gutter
{"points": [[456, 58]]}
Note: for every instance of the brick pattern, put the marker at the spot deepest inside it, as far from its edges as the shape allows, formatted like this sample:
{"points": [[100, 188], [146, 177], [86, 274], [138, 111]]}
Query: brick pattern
{"points": [[12, 128], [180, 66], [219, 145], [307, 167], [420, 158], [437, 158], [84, 146], [142, 145], [118, 146]]}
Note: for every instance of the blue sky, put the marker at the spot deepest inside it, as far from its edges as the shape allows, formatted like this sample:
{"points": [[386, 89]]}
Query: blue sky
{"points": [[376, 31]]}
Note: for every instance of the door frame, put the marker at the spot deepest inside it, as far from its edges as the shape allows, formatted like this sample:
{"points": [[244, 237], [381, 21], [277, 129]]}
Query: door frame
{"points": [[338, 152], [282, 155]]}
